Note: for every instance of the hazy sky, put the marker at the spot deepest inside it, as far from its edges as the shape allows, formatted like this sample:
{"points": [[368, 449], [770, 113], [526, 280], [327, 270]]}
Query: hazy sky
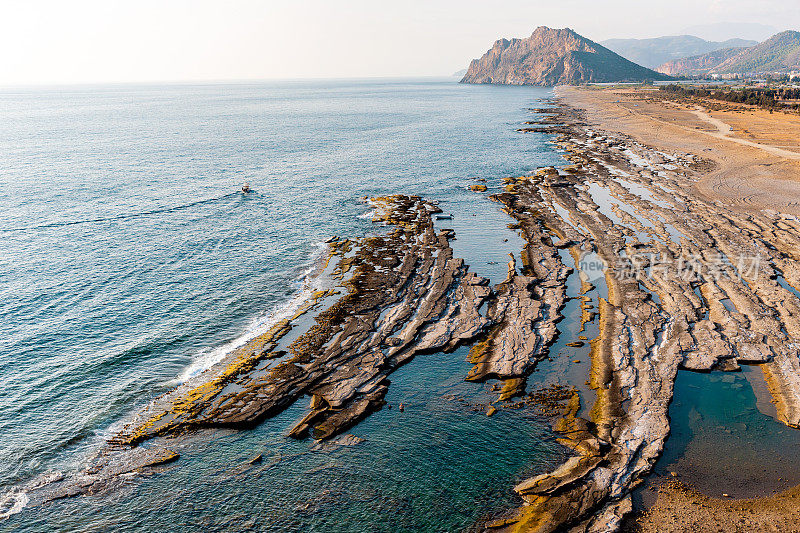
{"points": [[84, 41]]}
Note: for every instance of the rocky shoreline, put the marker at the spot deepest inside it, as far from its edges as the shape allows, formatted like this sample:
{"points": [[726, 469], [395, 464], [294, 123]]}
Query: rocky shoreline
{"points": [[396, 295], [691, 285]]}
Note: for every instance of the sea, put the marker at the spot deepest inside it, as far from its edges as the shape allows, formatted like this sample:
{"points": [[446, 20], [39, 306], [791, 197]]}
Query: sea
{"points": [[130, 260]]}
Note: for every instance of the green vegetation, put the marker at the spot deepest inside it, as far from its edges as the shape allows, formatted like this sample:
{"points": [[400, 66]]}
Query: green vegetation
{"points": [[766, 98]]}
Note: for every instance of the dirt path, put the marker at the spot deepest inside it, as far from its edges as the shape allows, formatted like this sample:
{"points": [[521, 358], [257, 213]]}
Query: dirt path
{"points": [[747, 175], [725, 132]]}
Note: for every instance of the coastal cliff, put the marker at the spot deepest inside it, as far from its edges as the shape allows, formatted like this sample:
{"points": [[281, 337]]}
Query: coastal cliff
{"points": [[554, 57]]}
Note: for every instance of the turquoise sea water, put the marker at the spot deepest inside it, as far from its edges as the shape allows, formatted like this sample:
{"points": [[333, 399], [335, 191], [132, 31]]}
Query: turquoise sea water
{"points": [[723, 442], [129, 261]]}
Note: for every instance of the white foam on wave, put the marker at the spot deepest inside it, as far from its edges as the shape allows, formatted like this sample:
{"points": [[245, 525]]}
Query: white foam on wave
{"points": [[17, 500], [320, 251], [261, 324], [369, 215]]}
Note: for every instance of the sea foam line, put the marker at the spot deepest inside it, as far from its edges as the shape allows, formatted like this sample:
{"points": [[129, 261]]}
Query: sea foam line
{"points": [[260, 325], [20, 499]]}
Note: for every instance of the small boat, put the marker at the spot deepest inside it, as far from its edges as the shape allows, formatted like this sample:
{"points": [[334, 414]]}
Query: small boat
{"points": [[445, 217], [246, 187]]}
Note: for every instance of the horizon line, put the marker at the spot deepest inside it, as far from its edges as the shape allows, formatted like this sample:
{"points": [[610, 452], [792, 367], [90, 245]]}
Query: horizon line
{"points": [[210, 81]]}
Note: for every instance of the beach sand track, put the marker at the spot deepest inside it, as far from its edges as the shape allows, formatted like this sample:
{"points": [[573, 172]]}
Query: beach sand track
{"points": [[749, 173]]}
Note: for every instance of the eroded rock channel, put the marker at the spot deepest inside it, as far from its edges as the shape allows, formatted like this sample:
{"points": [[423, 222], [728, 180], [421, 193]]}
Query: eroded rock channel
{"points": [[691, 285], [396, 295]]}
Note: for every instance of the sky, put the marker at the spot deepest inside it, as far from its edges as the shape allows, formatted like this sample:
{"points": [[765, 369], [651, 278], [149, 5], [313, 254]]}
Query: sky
{"points": [[100, 41]]}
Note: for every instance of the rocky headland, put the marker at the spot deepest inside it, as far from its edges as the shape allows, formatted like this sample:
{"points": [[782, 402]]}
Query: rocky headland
{"points": [[554, 57]]}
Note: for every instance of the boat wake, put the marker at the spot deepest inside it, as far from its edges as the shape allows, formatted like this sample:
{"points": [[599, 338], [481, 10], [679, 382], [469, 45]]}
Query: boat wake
{"points": [[124, 216]]}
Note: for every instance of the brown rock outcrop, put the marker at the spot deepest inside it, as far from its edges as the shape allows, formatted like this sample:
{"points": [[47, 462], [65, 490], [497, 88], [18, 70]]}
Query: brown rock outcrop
{"points": [[552, 57]]}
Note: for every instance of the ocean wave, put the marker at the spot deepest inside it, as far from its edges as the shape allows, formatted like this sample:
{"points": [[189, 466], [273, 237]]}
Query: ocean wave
{"points": [[12, 502], [369, 215], [308, 283], [124, 216]]}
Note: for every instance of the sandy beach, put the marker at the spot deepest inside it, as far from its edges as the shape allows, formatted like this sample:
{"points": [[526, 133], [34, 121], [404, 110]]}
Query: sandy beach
{"points": [[756, 162]]}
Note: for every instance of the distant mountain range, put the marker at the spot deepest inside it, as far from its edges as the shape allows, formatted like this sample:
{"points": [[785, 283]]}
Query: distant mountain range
{"points": [[552, 57], [722, 31], [652, 53], [778, 54], [561, 56], [698, 65]]}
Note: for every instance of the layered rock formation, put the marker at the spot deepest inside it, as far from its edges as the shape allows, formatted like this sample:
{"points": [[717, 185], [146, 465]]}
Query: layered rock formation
{"points": [[692, 285], [553, 57], [406, 294], [396, 295]]}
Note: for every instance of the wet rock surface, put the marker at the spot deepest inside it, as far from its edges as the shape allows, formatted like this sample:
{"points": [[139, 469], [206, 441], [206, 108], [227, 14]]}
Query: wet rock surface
{"points": [[398, 295], [406, 293], [692, 284], [402, 293]]}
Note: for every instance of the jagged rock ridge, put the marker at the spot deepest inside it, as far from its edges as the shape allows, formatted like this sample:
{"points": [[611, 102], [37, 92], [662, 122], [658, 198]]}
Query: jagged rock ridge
{"points": [[701, 65], [554, 57]]}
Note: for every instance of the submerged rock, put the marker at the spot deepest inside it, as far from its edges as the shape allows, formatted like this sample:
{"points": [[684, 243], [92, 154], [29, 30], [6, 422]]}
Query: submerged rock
{"points": [[404, 293]]}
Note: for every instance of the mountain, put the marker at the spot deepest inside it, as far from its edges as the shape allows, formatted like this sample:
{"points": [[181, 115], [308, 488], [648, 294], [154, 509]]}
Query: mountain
{"points": [[654, 52], [722, 31], [698, 65], [552, 57], [778, 54]]}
